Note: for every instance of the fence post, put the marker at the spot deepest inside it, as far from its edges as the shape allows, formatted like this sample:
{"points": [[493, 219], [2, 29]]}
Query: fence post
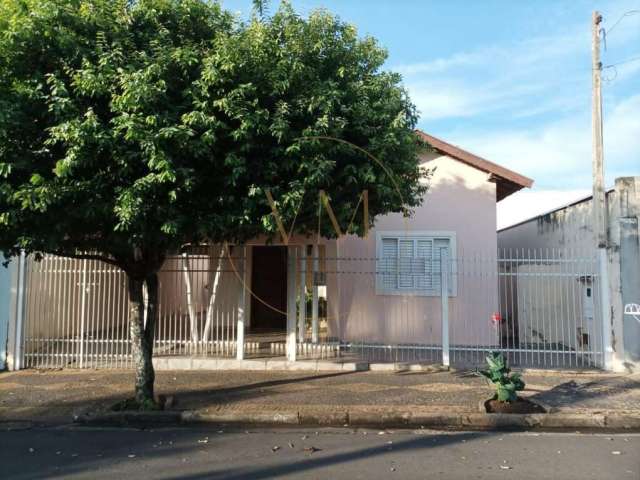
{"points": [[302, 308], [605, 303], [242, 303], [444, 303], [18, 321], [291, 304], [315, 299], [83, 303]]}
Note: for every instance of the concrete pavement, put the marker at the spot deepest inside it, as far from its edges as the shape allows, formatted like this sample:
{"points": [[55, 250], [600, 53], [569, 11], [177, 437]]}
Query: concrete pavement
{"points": [[57, 396]]}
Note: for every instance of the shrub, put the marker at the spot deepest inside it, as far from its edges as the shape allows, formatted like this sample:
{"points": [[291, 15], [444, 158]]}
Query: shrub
{"points": [[506, 383]]}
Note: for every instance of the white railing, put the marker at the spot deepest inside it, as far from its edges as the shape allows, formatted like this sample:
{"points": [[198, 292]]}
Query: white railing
{"points": [[76, 313], [541, 308]]}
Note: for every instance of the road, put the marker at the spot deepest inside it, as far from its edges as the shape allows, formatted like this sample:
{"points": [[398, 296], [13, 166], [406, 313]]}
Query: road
{"points": [[173, 453]]}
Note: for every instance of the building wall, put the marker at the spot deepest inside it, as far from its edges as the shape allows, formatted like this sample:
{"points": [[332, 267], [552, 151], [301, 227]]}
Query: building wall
{"points": [[568, 228], [460, 200], [5, 305]]}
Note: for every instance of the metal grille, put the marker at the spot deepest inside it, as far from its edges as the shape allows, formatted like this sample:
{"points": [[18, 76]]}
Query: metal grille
{"points": [[76, 311], [541, 308]]}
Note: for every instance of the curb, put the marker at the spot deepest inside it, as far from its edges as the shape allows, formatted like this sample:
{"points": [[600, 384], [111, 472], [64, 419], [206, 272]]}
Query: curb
{"points": [[363, 418]]}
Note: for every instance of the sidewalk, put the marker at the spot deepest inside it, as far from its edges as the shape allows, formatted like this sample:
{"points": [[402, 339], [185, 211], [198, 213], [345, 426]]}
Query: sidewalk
{"points": [[336, 397]]}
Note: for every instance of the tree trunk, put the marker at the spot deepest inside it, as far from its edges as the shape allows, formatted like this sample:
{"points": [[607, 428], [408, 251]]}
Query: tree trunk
{"points": [[193, 321], [142, 334], [213, 295]]}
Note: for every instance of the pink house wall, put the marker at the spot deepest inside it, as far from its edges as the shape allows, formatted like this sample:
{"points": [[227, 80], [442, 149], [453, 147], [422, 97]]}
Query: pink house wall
{"points": [[461, 200]]}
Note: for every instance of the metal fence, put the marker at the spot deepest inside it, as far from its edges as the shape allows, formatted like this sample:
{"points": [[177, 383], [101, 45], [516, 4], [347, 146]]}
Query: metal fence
{"points": [[541, 308], [76, 311]]}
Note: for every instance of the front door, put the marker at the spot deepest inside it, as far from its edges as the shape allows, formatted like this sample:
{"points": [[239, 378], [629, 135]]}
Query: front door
{"points": [[269, 287]]}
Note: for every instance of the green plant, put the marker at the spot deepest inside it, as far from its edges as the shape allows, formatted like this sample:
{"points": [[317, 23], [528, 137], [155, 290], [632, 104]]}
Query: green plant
{"points": [[506, 383]]}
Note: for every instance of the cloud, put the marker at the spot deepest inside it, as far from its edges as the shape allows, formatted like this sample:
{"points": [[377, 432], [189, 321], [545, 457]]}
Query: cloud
{"points": [[558, 153], [527, 105]]}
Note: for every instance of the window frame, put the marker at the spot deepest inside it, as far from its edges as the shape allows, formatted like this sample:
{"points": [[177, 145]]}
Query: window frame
{"points": [[416, 235]]}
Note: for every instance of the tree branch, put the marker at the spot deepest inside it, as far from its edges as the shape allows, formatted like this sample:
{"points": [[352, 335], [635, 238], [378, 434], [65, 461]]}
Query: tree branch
{"points": [[87, 256]]}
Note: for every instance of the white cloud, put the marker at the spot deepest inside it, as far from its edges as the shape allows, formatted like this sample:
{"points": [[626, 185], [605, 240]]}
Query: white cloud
{"points": [[558, 154]]}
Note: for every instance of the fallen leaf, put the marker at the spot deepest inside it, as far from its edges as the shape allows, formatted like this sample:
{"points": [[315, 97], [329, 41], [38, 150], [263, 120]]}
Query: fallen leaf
{"points": [[275, 448], [290, 445], [505, 467]]}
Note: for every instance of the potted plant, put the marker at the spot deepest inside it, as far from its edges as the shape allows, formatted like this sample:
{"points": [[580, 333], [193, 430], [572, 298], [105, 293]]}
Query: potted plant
{"points": [[507, 384]]}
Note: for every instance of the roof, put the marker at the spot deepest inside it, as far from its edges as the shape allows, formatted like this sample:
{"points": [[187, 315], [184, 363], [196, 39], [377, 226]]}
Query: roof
{"points": [[507, 181], [573, 203]]}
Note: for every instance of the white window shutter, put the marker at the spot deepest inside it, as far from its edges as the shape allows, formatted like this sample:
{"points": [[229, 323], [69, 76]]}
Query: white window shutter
{"points": [[438, 245], [412, 264], [389, 264], [405, 254], [423, 264]]}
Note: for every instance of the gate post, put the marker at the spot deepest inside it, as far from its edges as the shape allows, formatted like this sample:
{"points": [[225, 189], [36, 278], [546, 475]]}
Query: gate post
{"points": [[302, 308], [605, 314], [16, 325], [242, 307], [315, 297], [444, 304], [291, 303]]}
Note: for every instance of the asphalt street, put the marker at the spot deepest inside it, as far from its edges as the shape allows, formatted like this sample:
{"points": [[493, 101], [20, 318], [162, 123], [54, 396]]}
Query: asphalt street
{"points": [[174, 453]]}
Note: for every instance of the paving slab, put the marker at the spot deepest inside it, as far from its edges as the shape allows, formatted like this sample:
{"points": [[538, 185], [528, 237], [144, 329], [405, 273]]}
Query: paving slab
{"points": [[59, 395]]}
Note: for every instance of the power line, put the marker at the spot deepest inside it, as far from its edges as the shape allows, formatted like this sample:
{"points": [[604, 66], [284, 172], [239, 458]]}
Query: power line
{"points": [[629, 60], [625, 14]]}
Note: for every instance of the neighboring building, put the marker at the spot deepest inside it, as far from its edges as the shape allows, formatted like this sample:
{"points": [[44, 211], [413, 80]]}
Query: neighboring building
{"points": [[570, 229]]}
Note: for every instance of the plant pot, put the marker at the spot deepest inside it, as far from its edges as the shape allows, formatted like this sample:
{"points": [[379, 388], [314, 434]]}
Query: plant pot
{"points": [[521, 405]]}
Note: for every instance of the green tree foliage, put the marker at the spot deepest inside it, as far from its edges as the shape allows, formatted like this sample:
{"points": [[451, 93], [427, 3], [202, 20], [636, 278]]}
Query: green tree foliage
{"points": [[129, 129]]}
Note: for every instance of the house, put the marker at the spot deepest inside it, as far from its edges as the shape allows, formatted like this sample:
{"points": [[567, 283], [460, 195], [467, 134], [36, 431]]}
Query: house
{"points": [[381, 296], [458, 216], [568, 230]]}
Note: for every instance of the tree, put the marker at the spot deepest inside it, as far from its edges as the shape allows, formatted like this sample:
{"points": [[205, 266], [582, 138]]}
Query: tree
{"points": [[129, 129]]}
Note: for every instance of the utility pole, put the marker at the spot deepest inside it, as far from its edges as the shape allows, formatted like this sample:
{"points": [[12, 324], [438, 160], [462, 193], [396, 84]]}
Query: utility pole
{"points": [[599, 201], [600, 223]]}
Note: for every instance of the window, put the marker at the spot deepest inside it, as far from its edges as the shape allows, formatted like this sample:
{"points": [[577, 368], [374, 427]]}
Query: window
{"points": [[410, 263]]}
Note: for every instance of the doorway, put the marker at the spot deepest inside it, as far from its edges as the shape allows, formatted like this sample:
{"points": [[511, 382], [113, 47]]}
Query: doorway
{"points": [[269, 287]]}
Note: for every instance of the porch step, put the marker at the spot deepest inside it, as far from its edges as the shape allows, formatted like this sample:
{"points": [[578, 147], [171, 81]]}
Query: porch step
{"points": [[325, 350], [194, 363]]}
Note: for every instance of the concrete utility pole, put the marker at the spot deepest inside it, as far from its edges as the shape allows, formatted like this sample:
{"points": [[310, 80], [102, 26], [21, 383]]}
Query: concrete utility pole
{"points": [[600, 223], [599, 201]]}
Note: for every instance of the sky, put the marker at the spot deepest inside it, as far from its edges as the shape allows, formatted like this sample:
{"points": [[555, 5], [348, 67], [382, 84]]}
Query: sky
{"points": [[511, 82]]}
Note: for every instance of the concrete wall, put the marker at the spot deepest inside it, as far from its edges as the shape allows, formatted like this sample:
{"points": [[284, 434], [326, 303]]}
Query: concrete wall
{"points": [[5, 310], [461, 200]]}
